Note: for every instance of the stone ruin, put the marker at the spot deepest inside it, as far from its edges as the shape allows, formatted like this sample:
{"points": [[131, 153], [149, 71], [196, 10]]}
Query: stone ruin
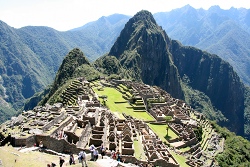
{"points": [[80, 120]]}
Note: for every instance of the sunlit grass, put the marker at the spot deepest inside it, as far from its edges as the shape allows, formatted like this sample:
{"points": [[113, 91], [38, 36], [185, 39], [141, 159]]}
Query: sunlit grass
{"points": [[185, 149], [180, 159], [139, 152], [161, 131], [116, 96]]}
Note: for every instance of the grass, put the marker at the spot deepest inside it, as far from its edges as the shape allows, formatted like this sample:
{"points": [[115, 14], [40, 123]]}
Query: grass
{"points": [[139, 152], [180, 159], [185, 149], [12, 157], [161, 131], [119, 108]]}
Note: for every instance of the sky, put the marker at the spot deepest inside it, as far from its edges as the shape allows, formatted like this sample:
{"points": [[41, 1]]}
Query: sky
{"points": [[64, 15]]}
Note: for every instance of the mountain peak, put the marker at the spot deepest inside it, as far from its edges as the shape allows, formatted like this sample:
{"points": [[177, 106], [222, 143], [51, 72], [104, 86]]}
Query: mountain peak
{"points": [[140, 25], [144, 15], [142, 49]]}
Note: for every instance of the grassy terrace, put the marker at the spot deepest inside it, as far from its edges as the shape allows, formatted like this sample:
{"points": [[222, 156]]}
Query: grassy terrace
{"points": [[161, 131], [139, 152], [207, 133], [115, 96], [180, 159], [185, 149]]}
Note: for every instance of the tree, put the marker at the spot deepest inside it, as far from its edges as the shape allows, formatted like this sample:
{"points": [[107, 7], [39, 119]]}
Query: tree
{"points": [[104, 99], [168, 118]]}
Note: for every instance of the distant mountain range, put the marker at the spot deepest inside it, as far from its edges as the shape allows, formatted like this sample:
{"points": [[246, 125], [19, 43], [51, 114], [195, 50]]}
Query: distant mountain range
{"points": [[222, 32], [30, 56]]}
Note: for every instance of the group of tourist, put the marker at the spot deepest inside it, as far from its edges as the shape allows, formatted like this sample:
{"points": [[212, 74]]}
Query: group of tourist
{"points": [[116, 155], [94, 152], [82, 158]]}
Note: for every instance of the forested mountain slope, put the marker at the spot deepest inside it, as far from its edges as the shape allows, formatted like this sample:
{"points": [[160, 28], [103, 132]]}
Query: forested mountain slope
{"points": [[30, 56]]}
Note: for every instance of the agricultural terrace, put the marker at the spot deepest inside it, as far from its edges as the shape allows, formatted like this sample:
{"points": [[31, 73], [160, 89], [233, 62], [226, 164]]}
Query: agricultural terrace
{"points": [[117, 104]]}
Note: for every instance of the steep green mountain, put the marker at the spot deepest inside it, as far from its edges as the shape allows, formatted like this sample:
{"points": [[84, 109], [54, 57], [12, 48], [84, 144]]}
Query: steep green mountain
{"points": [[222, 32], [204, 80], [216, 78], [74, 65], [21, 72], [141, 50], [30, 56]]}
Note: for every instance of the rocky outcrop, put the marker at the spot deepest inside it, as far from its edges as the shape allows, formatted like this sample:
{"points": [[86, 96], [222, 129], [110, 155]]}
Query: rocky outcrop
{"points": [[142, 48], [216, 78]]}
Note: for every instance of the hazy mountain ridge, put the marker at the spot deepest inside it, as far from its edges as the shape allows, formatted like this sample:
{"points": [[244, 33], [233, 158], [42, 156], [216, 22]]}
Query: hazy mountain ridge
{"points": [[216, 30], [31, 56]]}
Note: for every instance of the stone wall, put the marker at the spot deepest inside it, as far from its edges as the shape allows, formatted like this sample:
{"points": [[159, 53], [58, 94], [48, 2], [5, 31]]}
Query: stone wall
{"points": [[161, 162], [60, 145], [128, 151], [62, 126], [30, 141], [20, 142], [54, 121], [72, 137], [96, 142]]}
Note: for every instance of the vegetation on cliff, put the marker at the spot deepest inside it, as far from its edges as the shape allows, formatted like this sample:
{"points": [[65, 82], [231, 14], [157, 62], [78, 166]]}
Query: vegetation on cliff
{"points": [[236, 149], [74, 65]]}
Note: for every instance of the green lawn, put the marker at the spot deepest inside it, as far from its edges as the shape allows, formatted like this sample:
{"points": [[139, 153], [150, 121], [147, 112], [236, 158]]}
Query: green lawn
{"points": [[180, 159], [139, 152], [161, 131], [116, 96], [185, 149]]}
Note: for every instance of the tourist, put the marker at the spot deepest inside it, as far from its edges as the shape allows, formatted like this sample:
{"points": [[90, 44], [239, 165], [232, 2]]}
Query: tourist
{"points": [[82, 158], [103, 150], [71, 159], [95, 154], [41, 145], [92, 148], [61, 161], [113, 154], [118, 155]]}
